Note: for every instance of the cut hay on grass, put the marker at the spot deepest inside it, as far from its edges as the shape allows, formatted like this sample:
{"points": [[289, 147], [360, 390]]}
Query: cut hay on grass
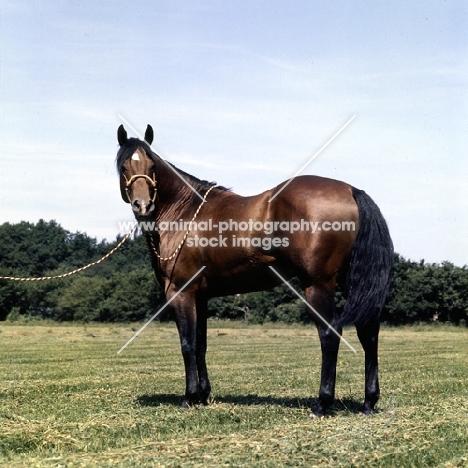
{"points": [[67, 399]]}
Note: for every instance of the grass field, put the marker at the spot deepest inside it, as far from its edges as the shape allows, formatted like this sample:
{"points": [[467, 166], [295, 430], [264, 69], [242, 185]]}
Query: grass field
{"points": [[68, 399]]}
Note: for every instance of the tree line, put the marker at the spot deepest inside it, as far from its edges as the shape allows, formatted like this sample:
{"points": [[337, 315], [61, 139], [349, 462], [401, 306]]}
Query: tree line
{"points": [[123, 288]]}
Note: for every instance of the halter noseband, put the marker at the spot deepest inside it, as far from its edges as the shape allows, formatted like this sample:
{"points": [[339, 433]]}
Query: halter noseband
{"points": [[150, 181]]}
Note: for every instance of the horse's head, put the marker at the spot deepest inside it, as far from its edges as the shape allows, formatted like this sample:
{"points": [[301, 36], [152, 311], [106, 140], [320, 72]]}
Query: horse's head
{"points": [[136, 165]]}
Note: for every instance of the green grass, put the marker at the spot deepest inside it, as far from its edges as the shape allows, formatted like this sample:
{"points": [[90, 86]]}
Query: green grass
{"points": [[67, 399]]}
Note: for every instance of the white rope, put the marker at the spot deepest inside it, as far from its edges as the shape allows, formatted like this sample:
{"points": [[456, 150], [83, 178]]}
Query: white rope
{"points": [[164, 259], [117, 247], [64, 275]]}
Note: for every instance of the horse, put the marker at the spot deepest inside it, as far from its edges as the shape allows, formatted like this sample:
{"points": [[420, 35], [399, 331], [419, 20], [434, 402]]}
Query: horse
{"points": [[269, 238]]}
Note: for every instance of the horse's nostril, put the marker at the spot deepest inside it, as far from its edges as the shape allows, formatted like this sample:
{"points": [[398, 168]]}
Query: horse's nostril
{"points": [[136, 205]]}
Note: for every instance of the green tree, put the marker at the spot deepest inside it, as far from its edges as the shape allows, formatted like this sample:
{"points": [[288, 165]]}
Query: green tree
{"points": [[130, 297], [427, 292], [81, 300]]}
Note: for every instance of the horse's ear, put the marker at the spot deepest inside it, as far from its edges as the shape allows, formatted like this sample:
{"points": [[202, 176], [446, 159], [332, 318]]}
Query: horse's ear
{"points": [[122, 135], [149, 135]]}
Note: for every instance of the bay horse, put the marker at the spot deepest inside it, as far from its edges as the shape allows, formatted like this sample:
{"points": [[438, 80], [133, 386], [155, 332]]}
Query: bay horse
{"points": [[260, 235]]}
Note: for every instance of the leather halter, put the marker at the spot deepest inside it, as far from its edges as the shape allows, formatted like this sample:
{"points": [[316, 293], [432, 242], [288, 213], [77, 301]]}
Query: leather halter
{"points": [[150, 181]]}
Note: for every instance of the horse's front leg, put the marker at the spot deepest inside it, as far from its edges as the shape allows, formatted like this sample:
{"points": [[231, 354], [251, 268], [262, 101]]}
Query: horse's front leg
{"points": [[204, 381], [184, 306]]}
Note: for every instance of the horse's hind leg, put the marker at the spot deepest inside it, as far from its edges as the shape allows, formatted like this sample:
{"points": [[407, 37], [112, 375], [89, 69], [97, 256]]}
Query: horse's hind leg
{"points": [[323, 302], [368, 336]]}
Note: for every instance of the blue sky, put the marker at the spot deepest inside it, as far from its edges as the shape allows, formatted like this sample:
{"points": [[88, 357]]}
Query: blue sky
{"points": [[241, 92]]}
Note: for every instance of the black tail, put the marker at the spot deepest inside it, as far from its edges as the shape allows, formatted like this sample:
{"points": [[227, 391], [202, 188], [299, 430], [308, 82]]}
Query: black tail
{"points": [[370, 267]]}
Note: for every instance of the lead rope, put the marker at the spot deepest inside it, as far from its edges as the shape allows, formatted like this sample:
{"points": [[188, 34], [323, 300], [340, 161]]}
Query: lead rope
{"points": [[64, 275], [117, 247], [164, 259]]}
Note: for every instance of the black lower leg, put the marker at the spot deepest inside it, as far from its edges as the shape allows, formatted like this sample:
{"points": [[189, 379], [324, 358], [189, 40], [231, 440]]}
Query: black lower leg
{"points": [[330, 343], [368, 336], [204, 381], [186, 321]]}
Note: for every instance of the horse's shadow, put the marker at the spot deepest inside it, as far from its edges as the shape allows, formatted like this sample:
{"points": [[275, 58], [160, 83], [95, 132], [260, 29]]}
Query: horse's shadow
{"points": [[339, 406]]}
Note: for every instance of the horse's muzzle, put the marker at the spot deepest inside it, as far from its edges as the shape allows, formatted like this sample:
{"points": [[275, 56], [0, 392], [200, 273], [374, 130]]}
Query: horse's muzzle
{"points": [[142, 208]]}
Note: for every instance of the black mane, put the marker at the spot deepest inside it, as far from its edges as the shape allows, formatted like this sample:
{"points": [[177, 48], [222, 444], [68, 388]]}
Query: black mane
{"points": [[204, 184], [132, 144]]}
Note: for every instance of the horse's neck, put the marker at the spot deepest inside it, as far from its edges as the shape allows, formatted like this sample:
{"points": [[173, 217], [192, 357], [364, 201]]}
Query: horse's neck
{"points": [[176, 200], [166, 241], [152, 244]]}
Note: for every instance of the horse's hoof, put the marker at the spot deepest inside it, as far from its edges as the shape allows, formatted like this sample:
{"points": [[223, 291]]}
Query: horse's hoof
{"points": [[365, 410], [318, 412], [186, 404], [321, 407]]}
